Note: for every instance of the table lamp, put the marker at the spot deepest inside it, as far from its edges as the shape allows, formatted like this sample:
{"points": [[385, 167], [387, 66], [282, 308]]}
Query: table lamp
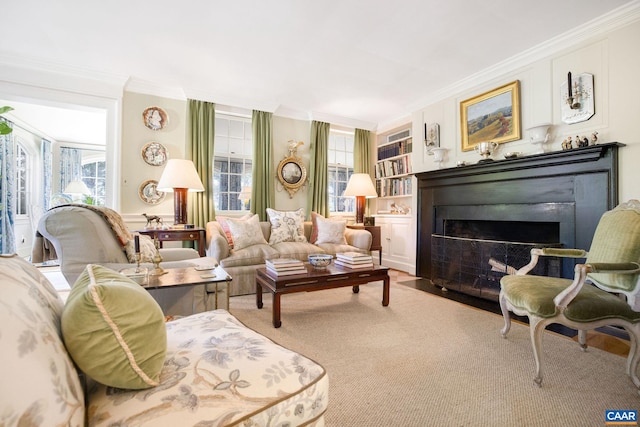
{"points": [[360, 186], [180, 176], [77, 189]]}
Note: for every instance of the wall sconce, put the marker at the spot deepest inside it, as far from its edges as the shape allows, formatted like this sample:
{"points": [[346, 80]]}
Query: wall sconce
{"points": [[577, 98]]}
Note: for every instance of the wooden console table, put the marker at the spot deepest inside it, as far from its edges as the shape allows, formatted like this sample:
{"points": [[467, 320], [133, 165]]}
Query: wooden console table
{"points": [[197, 235], [376, 239]]}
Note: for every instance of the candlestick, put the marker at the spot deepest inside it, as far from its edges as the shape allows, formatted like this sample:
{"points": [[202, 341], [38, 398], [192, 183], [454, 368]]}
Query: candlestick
{"points": [[136, 243], [569, 84]]}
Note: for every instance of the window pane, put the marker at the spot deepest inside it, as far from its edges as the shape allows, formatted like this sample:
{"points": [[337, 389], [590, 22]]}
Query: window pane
{"points": [[232, 165], [340, 159]]}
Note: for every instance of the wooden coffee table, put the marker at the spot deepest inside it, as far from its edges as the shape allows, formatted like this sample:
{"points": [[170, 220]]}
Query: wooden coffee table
{"points": [[314, 280]]}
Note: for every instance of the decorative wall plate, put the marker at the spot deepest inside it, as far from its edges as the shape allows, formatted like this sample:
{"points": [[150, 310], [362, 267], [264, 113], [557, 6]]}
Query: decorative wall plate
{"points": [[155, 118], [148, 192], [154, 154]]}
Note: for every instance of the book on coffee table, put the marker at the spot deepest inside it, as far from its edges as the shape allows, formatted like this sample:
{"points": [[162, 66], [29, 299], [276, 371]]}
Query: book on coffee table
{"points": [[354, 258], [289, 272], [354, 265], [283, 263]]}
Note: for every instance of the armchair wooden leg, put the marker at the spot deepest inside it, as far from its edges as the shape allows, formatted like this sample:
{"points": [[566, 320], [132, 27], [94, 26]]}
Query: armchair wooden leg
{"points": [[634, 356], [536, 327], [506, 315], [582, 339]]}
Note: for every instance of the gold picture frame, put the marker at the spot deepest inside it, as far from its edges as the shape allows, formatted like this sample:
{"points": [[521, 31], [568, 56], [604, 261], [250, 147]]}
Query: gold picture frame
{"points": [[292, 174], [493, 116]]}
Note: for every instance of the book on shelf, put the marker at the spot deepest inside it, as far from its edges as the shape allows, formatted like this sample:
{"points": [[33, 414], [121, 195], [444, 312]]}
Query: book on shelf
{"points": [[354, 266], [274, 272]]}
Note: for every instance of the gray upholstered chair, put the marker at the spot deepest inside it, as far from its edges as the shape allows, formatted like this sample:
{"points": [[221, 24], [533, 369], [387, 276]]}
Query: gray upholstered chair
{"points": [[603, 292], [79, 236]]}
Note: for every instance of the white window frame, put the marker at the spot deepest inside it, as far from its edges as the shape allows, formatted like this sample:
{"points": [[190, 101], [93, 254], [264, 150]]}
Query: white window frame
{"points": [[28, 173], [340, 167], [233, 144]]}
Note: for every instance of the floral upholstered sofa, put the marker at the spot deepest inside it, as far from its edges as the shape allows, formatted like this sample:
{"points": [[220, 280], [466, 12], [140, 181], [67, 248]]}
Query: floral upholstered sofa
{"points": [[241, 245], [107, 358]]}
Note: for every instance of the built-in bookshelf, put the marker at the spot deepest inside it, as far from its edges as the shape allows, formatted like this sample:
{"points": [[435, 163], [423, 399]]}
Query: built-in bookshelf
{"points": [[393, 165]]}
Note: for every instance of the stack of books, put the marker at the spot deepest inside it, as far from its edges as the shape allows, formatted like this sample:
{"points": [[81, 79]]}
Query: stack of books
{"points": [[285, 267], [354, 260]]}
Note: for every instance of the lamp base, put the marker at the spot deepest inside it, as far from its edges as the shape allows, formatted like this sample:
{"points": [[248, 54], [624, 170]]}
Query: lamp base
{"points": [[180, 206], [360, 209]]}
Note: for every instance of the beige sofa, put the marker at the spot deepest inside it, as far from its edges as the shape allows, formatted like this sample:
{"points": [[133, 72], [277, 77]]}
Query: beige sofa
{"points": [[242, 264], [212, 369]]}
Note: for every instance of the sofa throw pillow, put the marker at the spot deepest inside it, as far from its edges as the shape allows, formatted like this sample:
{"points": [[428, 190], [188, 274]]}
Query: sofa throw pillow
{"points": [[114, 330], [286, 226], [147, 249], [222, 220], [330, 231], [314, 225], [246, 233]]}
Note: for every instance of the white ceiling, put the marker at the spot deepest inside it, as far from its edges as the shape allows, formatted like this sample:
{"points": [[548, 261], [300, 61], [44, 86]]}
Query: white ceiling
{"points": [[355, 61]]}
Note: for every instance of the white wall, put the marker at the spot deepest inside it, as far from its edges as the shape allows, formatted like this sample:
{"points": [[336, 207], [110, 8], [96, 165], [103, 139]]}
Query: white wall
{"points": [[613, 60], [135, 135]]}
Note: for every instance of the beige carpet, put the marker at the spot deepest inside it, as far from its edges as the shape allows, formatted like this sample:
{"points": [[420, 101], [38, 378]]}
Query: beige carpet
{"points": [[426, 360]]}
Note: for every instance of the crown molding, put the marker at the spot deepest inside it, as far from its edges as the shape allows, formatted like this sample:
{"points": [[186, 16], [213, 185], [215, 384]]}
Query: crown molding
{"points": [[37, 73], [596, 28], [153, 89]]}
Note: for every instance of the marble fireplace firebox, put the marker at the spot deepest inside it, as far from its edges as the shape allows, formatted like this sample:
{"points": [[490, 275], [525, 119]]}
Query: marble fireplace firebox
{"points": [[552, 198]]}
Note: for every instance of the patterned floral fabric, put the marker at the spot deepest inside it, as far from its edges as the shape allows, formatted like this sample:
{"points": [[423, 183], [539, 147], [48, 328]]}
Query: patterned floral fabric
{"points": [[246, 232], [39, 384], [286, 226], [219, 372]]}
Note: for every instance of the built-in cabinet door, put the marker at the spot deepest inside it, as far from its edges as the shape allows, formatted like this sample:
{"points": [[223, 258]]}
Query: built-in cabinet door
{"points": [[397, 243]]}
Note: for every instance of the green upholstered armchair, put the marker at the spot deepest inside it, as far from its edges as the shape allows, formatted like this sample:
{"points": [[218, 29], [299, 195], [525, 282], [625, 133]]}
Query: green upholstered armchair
{"points": [[603, 292]]}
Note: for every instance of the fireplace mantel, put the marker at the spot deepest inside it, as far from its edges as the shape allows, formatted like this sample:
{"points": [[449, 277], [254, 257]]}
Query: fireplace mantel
{"points": [[573, 187]]}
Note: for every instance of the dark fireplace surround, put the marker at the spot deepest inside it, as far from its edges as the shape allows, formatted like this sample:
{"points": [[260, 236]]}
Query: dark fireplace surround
{"points": [[550, 198]]}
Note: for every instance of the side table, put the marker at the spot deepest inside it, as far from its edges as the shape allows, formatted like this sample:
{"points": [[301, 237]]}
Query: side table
{"points": [[376, 238], [197, 235]]}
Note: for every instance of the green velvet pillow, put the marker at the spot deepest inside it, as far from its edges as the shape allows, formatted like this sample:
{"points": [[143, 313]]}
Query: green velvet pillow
{"points": [[114, 330]]}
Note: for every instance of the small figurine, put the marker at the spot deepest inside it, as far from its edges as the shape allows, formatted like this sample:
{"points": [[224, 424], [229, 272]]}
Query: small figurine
{"points": [[566, 144], [584, 142], [594, 137], [150, 219]]}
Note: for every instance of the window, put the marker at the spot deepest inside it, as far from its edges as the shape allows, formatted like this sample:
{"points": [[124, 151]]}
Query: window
{"points": [[232, 162], [340, 162], [94, 176], [22, 180]]}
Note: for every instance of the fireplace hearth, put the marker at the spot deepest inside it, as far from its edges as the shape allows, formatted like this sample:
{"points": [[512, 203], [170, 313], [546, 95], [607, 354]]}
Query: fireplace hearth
{"points": [[545, 199]]}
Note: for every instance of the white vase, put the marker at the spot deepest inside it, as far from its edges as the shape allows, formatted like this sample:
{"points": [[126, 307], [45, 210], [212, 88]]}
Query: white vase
{"points": [[438, 155], [539, 135]]}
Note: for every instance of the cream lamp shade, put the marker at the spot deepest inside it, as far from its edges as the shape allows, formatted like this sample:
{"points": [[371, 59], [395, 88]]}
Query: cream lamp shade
{"points": [[360, 186], [180, 176], [77, 187]]}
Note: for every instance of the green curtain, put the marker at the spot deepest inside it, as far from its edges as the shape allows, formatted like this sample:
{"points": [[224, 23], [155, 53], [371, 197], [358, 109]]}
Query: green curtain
{"points": [[362, 151], [263, 185], [200, 138], [362, 156], [317, 201]]}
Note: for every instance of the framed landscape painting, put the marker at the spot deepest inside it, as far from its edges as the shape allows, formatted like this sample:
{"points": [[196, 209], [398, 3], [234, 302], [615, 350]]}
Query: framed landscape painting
{"points": [[493, 116]]}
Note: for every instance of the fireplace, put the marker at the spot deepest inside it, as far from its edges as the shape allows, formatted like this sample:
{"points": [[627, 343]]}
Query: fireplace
{"points": [[544, 199], [471, 256]]}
